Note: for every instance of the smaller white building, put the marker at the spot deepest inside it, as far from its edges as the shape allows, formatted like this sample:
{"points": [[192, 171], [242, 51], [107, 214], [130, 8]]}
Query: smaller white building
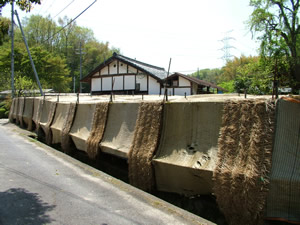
{"points": [[180, 84]]}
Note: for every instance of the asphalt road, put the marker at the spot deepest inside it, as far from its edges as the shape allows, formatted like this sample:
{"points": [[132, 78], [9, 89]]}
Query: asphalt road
{"points": [[39, 185]]}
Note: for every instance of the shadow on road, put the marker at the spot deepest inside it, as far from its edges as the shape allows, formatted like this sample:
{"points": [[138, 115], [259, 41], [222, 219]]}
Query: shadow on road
{"points": [[18, 206]]}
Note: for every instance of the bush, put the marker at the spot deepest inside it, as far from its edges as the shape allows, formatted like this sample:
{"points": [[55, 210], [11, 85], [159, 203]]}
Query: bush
{"points": [[5, 107], [6, 114], [2, 113]]}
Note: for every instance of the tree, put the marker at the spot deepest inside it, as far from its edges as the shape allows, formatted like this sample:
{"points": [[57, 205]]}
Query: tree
{"points": [[52, 69], [23, 4], [277, 23], [229, 71], [4, 28], [254, 78], [210, 75], [41, 30], [55, 53], [248, 73]]}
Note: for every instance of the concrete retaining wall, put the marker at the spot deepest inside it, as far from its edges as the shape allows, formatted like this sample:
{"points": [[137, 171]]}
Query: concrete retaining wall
{"points": [[119, 130], [82, 125], [15, 108], [187, 153], [20, 111], [46, 116], [37, 111], [28, 113], [57, 126]]}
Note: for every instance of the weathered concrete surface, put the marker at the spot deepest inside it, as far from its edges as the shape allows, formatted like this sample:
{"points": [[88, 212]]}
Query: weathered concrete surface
{"points": [[11, 110], [21, 103], [119, 130], [49, 187], [82, 125], [187, 153], [47, 112], [28, 112], [37, 111], [61, 115], [15, 108]]}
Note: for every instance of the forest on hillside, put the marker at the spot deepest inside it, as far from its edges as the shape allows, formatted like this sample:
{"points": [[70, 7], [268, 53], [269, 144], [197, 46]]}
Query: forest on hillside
{"points": [[55, 52]]}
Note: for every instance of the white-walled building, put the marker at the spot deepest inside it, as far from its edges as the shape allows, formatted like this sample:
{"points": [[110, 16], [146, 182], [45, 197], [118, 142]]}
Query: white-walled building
{"points": [[123, 75], [180, 84]]}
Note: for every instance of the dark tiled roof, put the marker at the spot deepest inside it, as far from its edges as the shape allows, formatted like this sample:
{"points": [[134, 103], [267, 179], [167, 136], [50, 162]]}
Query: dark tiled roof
{"points": [[154, 71]]}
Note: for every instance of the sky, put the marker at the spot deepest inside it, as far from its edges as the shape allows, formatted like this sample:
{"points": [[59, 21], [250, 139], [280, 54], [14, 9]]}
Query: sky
{"points": [[190, 32]]}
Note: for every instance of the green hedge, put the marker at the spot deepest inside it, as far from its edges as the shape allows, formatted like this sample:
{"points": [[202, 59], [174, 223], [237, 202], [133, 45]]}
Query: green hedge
{"points": [[3, 113]]}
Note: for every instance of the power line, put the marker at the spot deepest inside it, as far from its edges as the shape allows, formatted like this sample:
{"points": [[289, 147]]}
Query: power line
{"points": [[41, 8], [64, 9], [49, 6], [70, 21]]}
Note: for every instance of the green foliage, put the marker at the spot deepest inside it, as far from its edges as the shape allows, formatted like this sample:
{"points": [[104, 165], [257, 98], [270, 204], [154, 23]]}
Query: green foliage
{"points": [[4, 28], [230, 70], [277, 26], [210, 75], [5, 107], [40, 30], [254, 78], [228, 85], [51, 68], [247, 73], [55, 55], [66, 43], [2, 113], [23, 4]]}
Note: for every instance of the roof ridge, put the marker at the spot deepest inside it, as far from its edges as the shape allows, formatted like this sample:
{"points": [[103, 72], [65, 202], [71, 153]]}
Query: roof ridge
{"points": [[139, 62]]}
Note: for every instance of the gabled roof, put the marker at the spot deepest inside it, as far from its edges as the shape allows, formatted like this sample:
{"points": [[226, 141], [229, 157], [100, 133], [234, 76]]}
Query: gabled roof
{"points": [[154, 71], [196, 80]]}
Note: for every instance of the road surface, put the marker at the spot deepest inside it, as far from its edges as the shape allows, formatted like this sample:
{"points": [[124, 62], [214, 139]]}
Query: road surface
{"points": [[39, 185]]}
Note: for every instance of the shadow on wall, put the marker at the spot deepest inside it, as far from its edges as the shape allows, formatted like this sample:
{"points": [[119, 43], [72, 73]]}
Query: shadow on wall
{"points": [[18, 206]]}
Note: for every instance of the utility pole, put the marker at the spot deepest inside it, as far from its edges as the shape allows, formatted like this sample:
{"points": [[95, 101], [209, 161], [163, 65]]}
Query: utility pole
{"points": [[74, 79], [80, 53], [12, 52], [80, 85], [165, 86]]}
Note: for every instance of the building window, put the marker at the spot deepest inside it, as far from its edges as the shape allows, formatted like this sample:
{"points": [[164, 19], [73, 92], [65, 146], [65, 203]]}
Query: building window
{"points": [[137, 86]]}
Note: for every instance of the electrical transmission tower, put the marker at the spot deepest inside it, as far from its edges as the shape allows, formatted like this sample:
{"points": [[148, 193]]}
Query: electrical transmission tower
{"points": [[226, 48]]}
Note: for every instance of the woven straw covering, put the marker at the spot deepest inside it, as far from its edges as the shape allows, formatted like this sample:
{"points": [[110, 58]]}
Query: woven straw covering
{"points": [[145, 142], [244, 160], [65, 138], [97, 131]]}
